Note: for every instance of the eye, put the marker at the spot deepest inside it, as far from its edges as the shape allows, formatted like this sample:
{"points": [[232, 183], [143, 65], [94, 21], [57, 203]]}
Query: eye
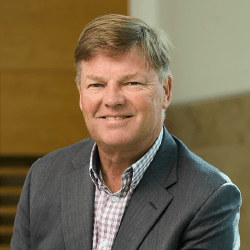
{"points": [[95, 85], [133, 83]]}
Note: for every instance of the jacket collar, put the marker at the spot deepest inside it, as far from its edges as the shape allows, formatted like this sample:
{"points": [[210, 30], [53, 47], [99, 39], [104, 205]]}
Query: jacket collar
{"points": [[77, 202]]}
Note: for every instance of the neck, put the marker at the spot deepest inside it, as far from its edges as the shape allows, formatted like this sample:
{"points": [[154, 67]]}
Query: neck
{"points": [[112, 167], [115, 160], [114, 163]]}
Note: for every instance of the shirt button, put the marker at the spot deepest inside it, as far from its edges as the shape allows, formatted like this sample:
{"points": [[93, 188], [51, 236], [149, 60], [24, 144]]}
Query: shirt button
{"points": [[114, 198]]}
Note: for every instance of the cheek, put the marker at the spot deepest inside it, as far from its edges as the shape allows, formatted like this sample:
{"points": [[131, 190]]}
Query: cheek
{"points": [[144, 105], [154, 95], [87, 105]]}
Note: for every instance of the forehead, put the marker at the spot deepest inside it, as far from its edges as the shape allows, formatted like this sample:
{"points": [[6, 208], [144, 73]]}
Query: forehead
{"points": [[131, 63]]}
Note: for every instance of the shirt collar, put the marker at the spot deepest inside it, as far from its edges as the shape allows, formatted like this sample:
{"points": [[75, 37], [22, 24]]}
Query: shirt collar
{"points": [[140, 167], [94, 166]]}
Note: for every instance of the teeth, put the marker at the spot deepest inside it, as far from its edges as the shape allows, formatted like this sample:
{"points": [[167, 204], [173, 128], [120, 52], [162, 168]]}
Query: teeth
{"points": [[115, 118]]}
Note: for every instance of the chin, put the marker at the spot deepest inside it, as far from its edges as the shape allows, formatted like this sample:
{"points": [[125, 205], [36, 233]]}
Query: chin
{"points": [[114, 141]]}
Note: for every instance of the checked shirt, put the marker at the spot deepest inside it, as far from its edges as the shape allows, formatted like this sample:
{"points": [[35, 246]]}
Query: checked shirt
{"points": [[109, 208]]}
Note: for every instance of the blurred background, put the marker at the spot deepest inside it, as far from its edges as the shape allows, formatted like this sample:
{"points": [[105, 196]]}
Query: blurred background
{"points": [[39, 109]]}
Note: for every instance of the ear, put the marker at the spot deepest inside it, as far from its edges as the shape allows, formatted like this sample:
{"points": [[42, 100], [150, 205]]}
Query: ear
{"points": [[80, 96], [167, 88]]}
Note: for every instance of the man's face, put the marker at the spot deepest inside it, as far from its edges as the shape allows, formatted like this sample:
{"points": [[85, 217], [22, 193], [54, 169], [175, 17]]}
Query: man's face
{"points": [[122, 100]]}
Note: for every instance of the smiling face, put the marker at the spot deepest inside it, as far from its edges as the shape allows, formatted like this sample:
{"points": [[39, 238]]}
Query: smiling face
{"points": [[122, 100]]}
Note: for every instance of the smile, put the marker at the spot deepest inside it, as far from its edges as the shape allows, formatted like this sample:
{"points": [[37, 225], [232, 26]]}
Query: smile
{"points": [[116, 118]]}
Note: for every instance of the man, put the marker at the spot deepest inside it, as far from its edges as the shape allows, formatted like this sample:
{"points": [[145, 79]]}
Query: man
{"points": [[132, 185]]}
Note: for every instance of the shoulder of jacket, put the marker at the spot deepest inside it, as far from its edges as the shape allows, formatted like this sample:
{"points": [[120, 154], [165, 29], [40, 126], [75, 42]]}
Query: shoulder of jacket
{"points": [[60, 161], [192, 165]]}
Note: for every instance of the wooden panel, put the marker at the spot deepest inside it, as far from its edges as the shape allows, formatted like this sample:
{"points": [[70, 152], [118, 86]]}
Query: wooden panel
{"points": [[218, 122], [39, 112], [43, 34]]}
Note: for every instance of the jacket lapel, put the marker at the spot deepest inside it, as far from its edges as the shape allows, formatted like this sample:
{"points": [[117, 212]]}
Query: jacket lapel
{"points": [[150, 198], [77, 203]]}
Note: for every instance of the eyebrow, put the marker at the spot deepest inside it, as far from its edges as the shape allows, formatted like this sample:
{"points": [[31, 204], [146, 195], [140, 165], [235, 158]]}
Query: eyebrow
{"points": [[95, 78], [122, 78]]}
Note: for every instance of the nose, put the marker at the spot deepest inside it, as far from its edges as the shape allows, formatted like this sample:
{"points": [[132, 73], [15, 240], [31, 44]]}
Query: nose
{"points": [[113, 96]]}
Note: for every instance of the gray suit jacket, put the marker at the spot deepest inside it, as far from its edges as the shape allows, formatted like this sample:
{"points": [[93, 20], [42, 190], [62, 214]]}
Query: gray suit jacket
{"points": [[181, 202]]}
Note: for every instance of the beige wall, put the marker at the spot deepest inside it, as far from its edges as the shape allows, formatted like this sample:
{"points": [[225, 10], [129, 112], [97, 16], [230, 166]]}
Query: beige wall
{"points": [[39, 109], [211, 47], [147, 10]]}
